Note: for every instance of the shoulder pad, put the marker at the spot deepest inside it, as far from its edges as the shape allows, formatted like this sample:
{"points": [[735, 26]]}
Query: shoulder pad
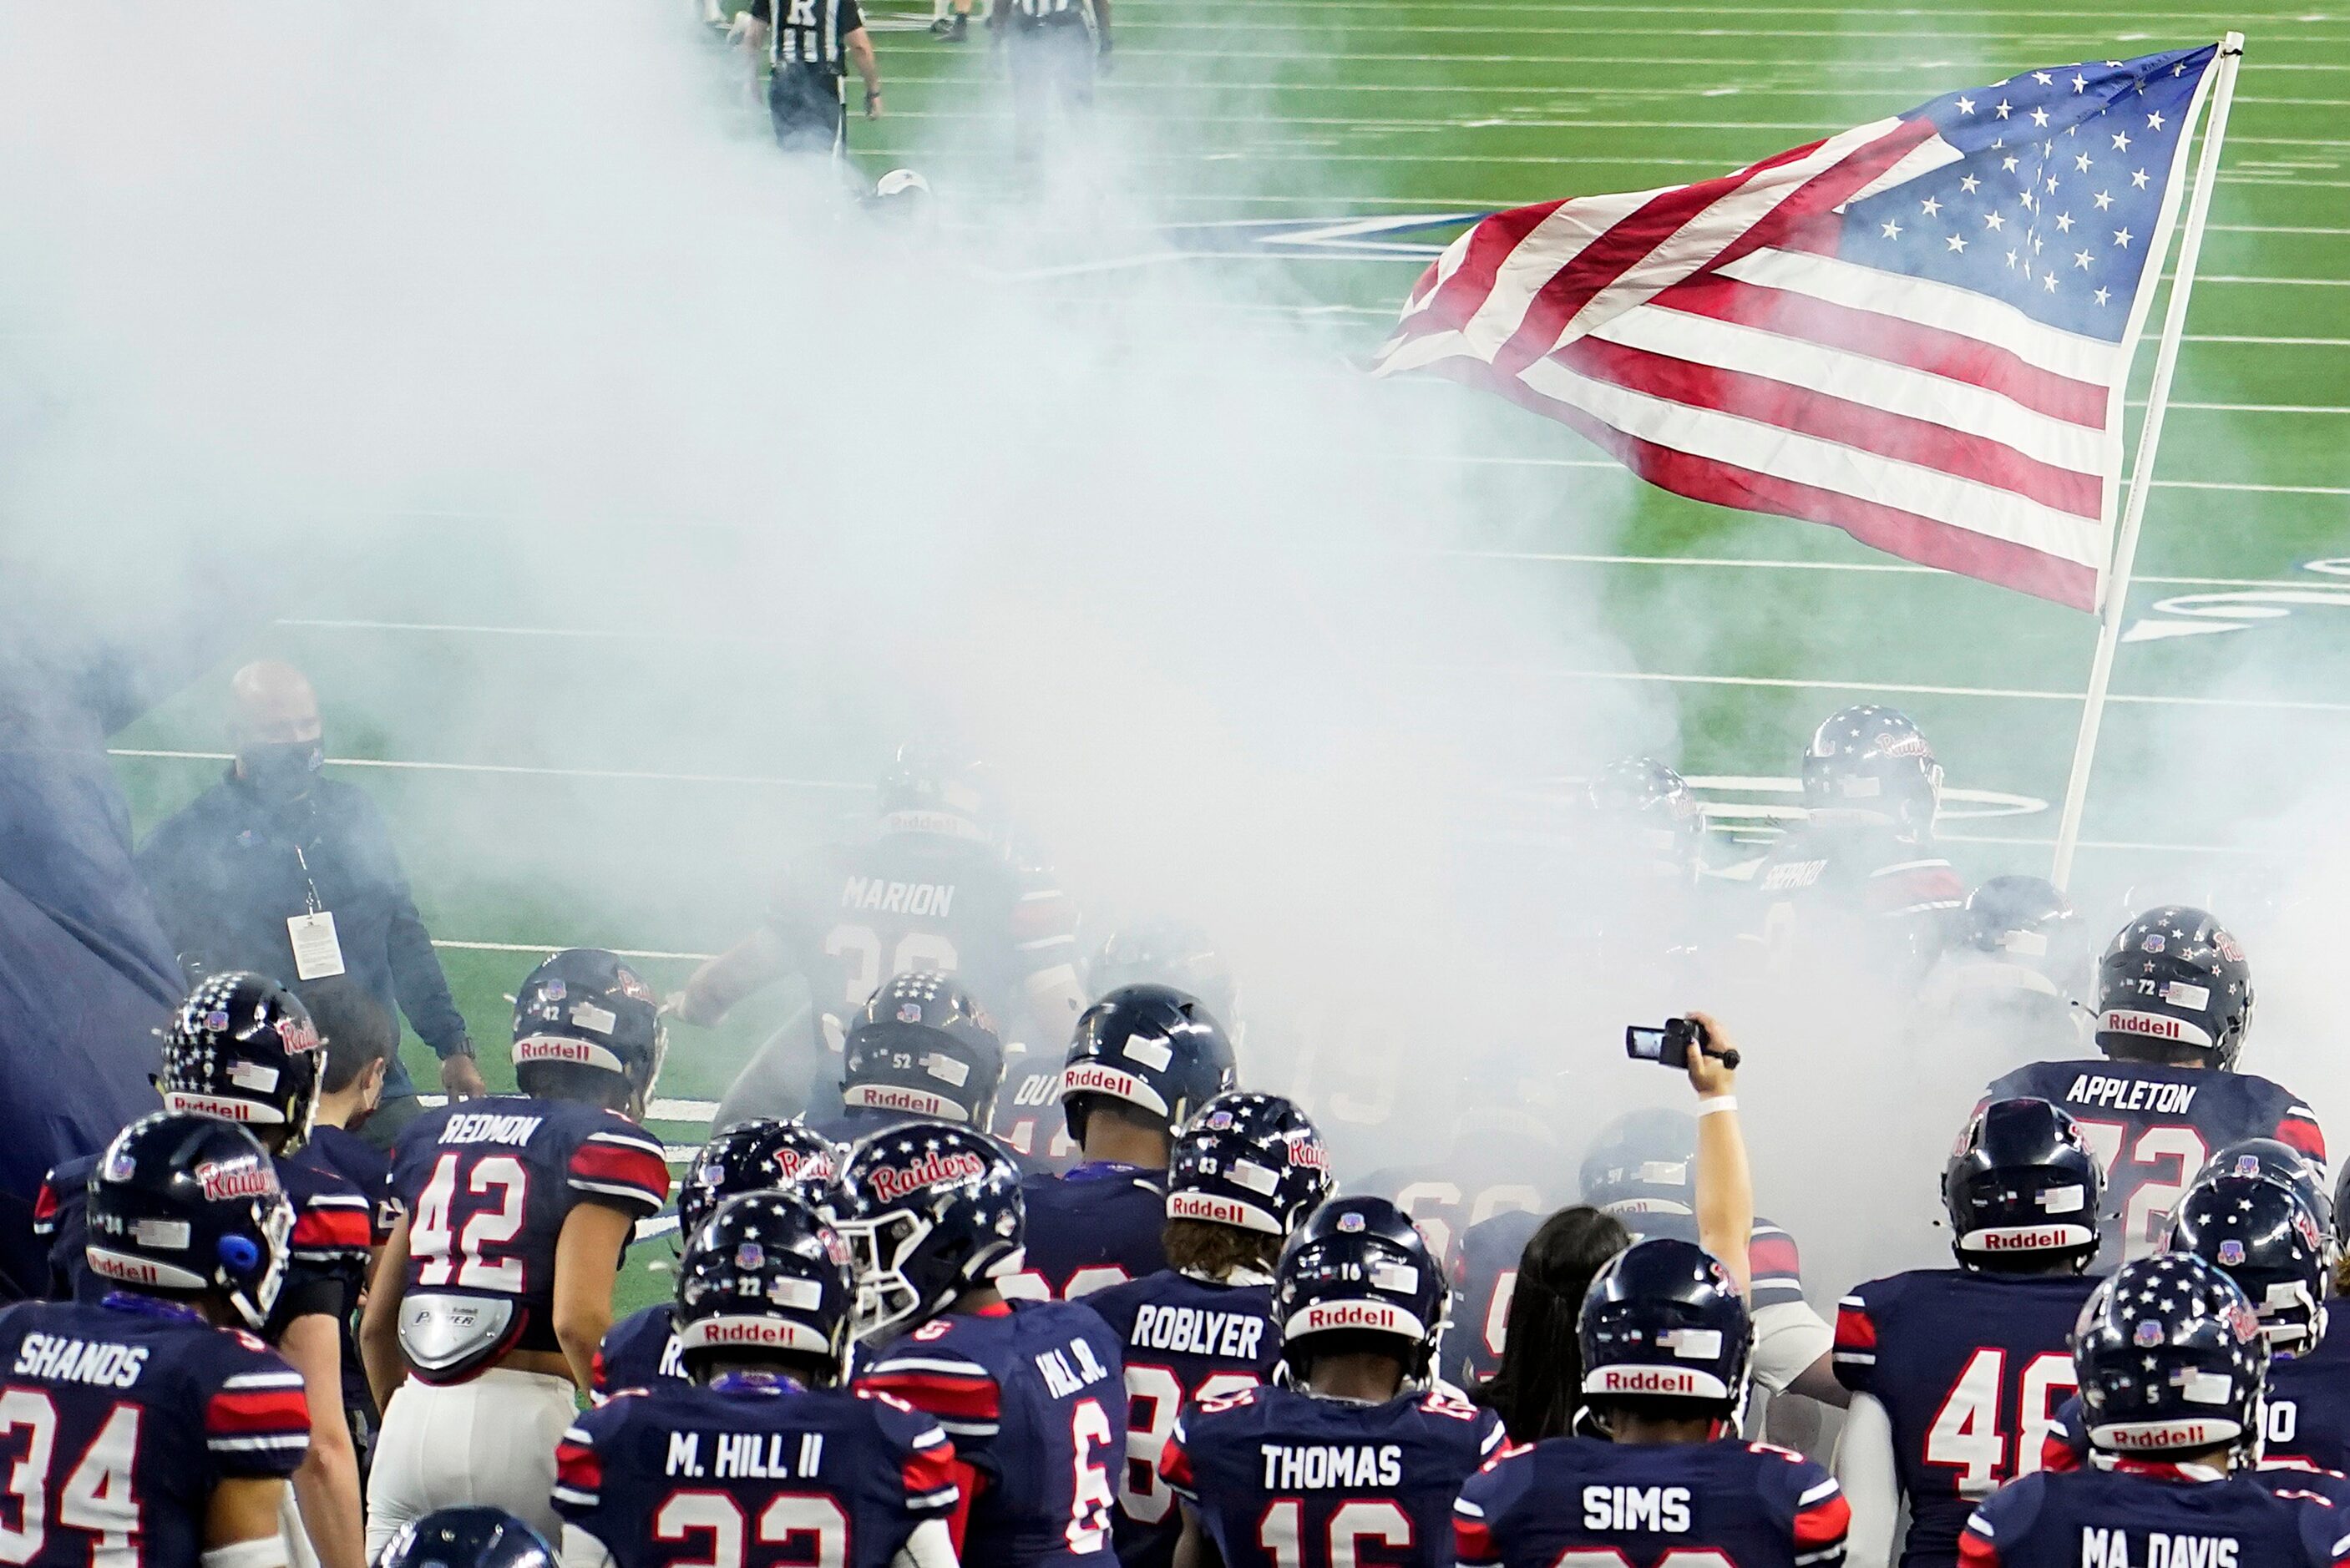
{"points": [[1776, 1452], [1440, 1403], [1239, 1399]]}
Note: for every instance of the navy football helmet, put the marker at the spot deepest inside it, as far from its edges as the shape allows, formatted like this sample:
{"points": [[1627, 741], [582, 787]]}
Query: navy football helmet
{"points": [[2175, 978], [1663, 1319], [2279, 1161], [762, 1155], [2263, 1236], [2024, 1186], [2029, 922], [188, 1205], [1252, 1161], [242, 1048], [1166, 952], [472, 1537], [928, 1210], [1873, 761], [1148, 1046], [2170, 1359], [1643, 806], [929, 790], [765, 1273], [1360, 1266], [1643, 1162], [924, 1046], [586, 1007]]}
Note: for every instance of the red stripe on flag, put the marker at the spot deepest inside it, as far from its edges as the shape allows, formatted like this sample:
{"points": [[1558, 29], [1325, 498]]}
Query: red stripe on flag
{"points": [[1610, 256], [1952, 356], [1925, 540], [233, 1413], [1815, 203], [1456, 299], [1833, 419]]}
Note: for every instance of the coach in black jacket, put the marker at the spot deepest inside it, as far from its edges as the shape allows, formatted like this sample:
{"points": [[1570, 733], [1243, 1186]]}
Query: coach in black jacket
{"points": [[282, 871]]}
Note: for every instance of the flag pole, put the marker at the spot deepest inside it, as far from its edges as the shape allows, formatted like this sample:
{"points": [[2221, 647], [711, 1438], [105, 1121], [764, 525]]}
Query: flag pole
{"points": [[2114, 601]]}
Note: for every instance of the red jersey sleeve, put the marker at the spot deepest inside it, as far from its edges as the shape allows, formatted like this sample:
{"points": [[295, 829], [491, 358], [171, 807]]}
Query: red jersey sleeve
{"points": [[1854, 1357], [579, 1472], [257, 1420], [1175, 1464], [332, 1226], [623, 1167], [961, 1393], [1823, 1519], [45, 1207], [2298, 1127]]}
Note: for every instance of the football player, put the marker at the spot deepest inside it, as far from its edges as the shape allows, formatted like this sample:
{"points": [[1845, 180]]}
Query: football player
{"points": [[1665, 1347], [1956, 1374], [921, 1049], [2173, 1000], [1353, 1450], [152, 1427], [1860, 867], [2011, 983], [1642, 1168], [467, 1538], [1247, 1171], [642, 1350], [763, 1444], [2171, 1364], [496, 1288], [2262, 1234], [1029, 1392], [1144, 1059], [934, 886], [243, 1048]]}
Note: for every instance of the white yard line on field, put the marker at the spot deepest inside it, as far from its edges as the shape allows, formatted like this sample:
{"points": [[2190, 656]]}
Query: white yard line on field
{"points": [[623, 774]]}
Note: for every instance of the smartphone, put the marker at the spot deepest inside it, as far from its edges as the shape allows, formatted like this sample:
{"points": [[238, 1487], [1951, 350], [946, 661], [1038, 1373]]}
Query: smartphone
{"points": [[1667, 1047]]}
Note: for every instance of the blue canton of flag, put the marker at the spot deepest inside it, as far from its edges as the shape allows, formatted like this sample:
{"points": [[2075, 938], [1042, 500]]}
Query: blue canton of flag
{"points": [[2059, 197]]}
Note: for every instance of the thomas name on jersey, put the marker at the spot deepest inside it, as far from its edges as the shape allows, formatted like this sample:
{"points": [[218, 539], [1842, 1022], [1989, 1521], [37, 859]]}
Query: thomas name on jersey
{"points": [[2131, 1095], [1319, 1467], [1233, 1335], [1064, 1380], [933, 899], [746, 1456], [95, 1362], [2116, 1549]]}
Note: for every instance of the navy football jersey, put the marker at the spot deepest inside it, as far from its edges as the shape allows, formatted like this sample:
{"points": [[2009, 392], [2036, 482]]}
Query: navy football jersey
{"points": [[368, 1169], [1185, 1339], [118, 1419], [2153, 1126], [2307, 1412], [1028, 1116], [641, 1351], [1284, 1479], [1578, 1499], [839, 1479], [1032, 1393], [326, 1257], [1096, 1227], [1972, 1369], [1830, 887], [484, 1186], [2142, 1514]]}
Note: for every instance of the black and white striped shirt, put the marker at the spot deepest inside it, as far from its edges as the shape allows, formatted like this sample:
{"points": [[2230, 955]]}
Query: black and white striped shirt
{"points": [[810, 31]]}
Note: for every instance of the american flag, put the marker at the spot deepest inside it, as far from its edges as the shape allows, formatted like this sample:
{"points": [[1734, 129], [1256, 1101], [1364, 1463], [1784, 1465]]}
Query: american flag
{"points": [[1918, 331]]}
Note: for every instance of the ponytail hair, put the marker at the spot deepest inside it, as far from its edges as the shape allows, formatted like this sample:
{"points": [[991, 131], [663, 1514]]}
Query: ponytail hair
{"points": [[1539, 1385]]}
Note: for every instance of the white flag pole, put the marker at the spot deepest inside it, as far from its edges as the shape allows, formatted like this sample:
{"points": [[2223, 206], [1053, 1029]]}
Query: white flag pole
{"points": [[2114, 598]]}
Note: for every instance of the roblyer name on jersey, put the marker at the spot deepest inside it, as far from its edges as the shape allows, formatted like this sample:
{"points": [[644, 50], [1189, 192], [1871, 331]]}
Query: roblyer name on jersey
{"points": [[2131, 1095], [1316, 1466], [2111, 1549], [1231, 1334], [97, 1361], [935, 899], [1664, 1509], [746, 1456]]}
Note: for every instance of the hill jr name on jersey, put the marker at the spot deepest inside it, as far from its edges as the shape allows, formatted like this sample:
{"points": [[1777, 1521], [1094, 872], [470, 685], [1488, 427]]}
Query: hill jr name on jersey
{"points": [[2131, 1095], [2112, 1549], [746, 1456], [1064, 1379], [876, 895], [1319, 1467], [1232, 1336]]}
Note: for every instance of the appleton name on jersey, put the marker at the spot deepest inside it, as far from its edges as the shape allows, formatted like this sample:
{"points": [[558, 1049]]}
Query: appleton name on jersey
{"points": [[1585, 1499], [1284, 1479], [844, 1478], [1031, 1393], [1096, 1227], [486, 1184], [1185, 1340], [2140, 1515], [2152, 1126], [120, 1420], [1972, 1369]]}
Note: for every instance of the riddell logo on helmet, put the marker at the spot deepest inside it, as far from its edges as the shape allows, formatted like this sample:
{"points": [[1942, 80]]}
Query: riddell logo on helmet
{"points": [[2028, 1238], [208, 1106], [891, 1182], [1647, 1380], [545, 1048], [2146, 1434], [1206, 1206], [1101, 1080], [238, 1178], [749, 1331], [2149, 1023], [1350, 1314]]}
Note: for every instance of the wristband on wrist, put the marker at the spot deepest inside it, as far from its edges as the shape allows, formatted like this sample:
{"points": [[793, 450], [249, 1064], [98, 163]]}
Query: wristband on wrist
{"points": [[1713, 1104]]}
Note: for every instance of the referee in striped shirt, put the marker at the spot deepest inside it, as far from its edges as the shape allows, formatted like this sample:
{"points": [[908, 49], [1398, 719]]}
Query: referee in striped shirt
{"points": [[1050, 48], [805, 52]]}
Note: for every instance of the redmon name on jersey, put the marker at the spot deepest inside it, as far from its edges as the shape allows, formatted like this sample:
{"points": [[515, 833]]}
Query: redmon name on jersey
{"points": [[874, 894], [2131, 1093], [488, 1130]]}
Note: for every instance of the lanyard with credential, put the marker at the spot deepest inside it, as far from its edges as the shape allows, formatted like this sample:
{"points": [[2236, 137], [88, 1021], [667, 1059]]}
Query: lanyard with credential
{"points": [[311, 902]]}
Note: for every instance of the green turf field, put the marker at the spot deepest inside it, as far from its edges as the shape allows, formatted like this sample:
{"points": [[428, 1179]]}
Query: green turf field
{"points": [[1338, 110]]}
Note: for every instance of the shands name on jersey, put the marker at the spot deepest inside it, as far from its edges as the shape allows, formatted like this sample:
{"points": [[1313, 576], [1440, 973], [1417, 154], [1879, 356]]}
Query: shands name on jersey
{"points": [[2113, 1549]]}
